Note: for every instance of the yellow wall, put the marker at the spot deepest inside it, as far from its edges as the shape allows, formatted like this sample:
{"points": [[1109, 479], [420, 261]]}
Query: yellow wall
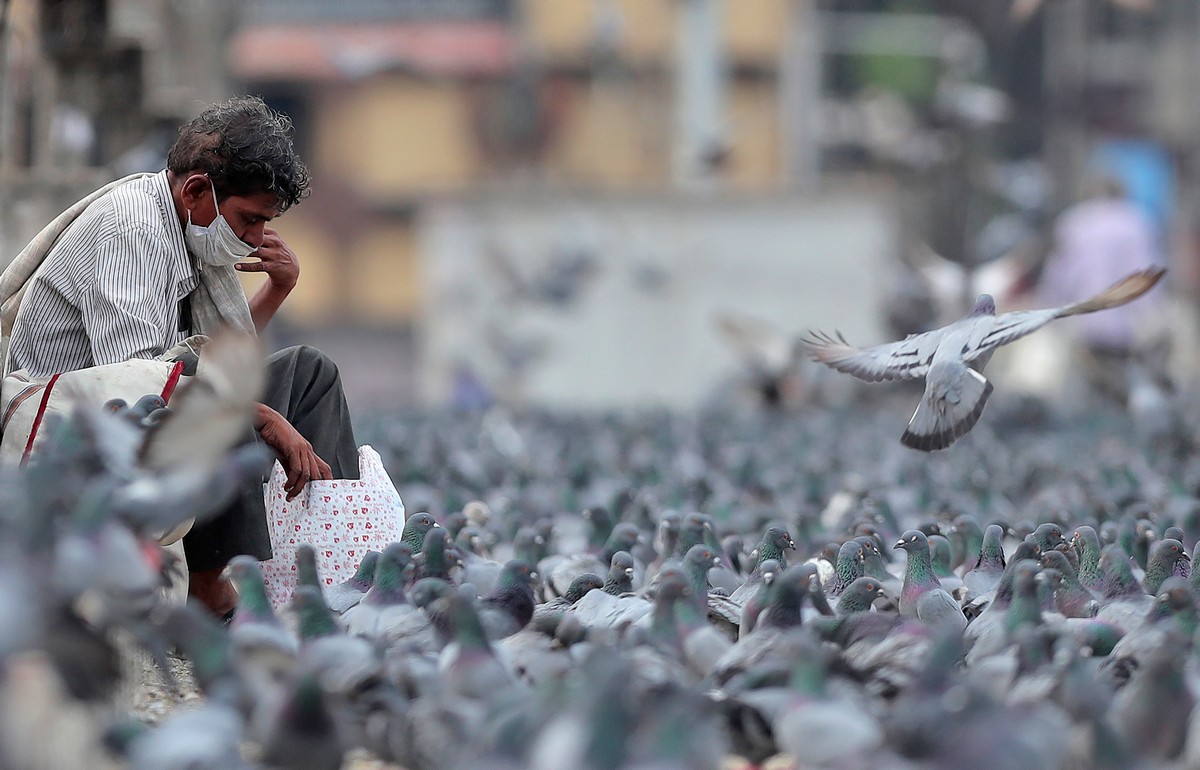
{"points": [[755, 29], [388, 289], [397, 135], [613, 136], [562, 29], [754, 163]]}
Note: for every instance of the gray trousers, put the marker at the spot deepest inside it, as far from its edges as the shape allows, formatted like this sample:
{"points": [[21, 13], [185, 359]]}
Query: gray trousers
{"points": [[304, 386]]}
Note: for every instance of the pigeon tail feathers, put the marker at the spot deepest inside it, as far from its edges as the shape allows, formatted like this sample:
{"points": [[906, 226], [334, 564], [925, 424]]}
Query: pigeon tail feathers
{"points": [[945, 415]]}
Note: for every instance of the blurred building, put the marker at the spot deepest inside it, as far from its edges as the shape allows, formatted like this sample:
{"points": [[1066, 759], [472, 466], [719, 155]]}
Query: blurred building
{"points": [[521, 142]]}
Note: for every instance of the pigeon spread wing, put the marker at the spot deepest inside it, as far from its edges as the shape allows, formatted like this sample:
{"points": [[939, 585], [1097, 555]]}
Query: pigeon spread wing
{"points": [[214, 410], [757, 343], [907, 359], [1008, 327]]}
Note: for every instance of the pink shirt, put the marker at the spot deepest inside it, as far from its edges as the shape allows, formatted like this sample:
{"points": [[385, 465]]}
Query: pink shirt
{"points": [[1098, 242]]}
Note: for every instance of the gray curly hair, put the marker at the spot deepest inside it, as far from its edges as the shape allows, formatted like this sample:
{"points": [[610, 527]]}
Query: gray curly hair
{"points": [[245, 148]]}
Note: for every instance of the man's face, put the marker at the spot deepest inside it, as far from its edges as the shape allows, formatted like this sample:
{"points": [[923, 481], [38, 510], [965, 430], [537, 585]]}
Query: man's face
{"points": [[248, 215]]}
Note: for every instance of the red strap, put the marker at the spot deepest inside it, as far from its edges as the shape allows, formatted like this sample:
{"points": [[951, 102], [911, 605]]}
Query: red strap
{"points": [[37, 420], [172, 381]]}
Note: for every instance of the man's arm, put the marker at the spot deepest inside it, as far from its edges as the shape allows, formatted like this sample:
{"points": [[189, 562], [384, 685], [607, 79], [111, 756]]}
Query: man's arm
{"points": [[296, 454], [128, 301], [278, 261]]}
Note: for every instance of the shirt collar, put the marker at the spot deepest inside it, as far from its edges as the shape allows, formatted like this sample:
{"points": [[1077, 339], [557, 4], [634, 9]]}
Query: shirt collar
{"points": [[182, 266]]}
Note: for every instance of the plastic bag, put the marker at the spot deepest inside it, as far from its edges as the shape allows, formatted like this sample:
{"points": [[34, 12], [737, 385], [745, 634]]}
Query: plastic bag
{"points": [[341, 519]]}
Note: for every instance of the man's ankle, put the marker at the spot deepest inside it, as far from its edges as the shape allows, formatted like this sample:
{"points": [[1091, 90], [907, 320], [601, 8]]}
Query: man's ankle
{"points": [[214, 591]]}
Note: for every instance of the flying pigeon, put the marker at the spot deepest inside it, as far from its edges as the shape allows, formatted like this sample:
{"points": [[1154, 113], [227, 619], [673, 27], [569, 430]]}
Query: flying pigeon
{"points": [[951, 358]]}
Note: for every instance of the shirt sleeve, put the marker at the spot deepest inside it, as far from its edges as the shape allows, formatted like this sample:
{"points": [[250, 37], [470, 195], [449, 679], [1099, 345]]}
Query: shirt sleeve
{"points": [[129, 304]]}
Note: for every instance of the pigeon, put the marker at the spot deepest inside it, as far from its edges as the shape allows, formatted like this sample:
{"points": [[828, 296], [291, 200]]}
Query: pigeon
{"points": [[342, 596], [922, 596], [302, 730], [753, 606], [384, 613], [1174, 611], [1167, 558], [1152, 712], [939, 552], [509, 607], [204, 737], [548, 615], [415, 529], [1123, 602], [951, 358], [1070, 597], [1087, 543], [620, 574], [774, 546], [849, 568], [1047, 537], [989, 566]]}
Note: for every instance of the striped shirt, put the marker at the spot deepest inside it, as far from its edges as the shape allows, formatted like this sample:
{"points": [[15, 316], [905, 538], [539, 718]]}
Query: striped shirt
{"points": [[110, 289]]}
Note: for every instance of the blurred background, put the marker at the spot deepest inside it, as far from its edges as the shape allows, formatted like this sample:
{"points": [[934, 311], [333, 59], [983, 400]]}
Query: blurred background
{"points": [[603, 203]]}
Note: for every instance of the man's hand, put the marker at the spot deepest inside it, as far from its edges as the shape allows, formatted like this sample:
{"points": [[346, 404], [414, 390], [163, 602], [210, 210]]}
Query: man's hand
{"points": [[277, 260], [299, 461]]}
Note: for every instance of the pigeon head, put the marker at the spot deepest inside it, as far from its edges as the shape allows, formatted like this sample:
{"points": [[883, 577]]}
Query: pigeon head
{"points": [[869, 586], [623, 561], [624, 537], [1175, 597], [912, 540], [470, 540], [1048, 536], [985, 304], [455, 523], [516, 572], [415, 529], [672, 584], [581, 585], [860, 595], [775, 542], [428, 590], [528, 545]]}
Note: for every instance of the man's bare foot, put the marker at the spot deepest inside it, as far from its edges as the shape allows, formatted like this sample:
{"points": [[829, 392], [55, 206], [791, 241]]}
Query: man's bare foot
{"points": [[213, 591]]}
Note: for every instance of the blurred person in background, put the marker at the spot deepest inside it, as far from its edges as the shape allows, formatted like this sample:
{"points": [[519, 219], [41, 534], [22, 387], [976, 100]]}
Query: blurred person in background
{"points": [[147, 261], [1097, 241]]}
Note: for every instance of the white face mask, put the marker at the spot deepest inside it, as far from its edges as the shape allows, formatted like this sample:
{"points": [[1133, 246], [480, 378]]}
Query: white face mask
{"points": [[215, 244]]}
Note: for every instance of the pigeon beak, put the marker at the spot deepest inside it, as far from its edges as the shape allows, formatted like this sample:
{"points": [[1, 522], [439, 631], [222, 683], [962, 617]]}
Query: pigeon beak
{"points": [[898, 545], [791, 544], [716, 561], [1185, 556], [436, 525], [629, 572]]}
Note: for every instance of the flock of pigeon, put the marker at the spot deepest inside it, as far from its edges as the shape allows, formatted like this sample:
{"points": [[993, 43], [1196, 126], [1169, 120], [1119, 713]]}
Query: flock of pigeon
{"points": [[644, 590]]}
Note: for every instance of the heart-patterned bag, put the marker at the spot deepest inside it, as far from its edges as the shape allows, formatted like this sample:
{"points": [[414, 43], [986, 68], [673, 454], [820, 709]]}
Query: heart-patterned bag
{"points": [[342, 519]]}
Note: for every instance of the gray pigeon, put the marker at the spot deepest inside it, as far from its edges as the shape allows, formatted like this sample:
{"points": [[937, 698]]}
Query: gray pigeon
{"points": [[951, 358]]}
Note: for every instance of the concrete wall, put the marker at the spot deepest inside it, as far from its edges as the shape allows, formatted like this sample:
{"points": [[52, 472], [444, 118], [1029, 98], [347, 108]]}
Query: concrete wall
{"points": [[640, 327]]}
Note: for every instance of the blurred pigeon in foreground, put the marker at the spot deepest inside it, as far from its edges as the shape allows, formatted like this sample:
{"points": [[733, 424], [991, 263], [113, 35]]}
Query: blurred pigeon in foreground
{"points": [[951, 358]]}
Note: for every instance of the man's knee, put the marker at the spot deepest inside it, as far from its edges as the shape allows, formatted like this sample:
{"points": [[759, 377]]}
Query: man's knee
{"points": [[307, 363]]}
